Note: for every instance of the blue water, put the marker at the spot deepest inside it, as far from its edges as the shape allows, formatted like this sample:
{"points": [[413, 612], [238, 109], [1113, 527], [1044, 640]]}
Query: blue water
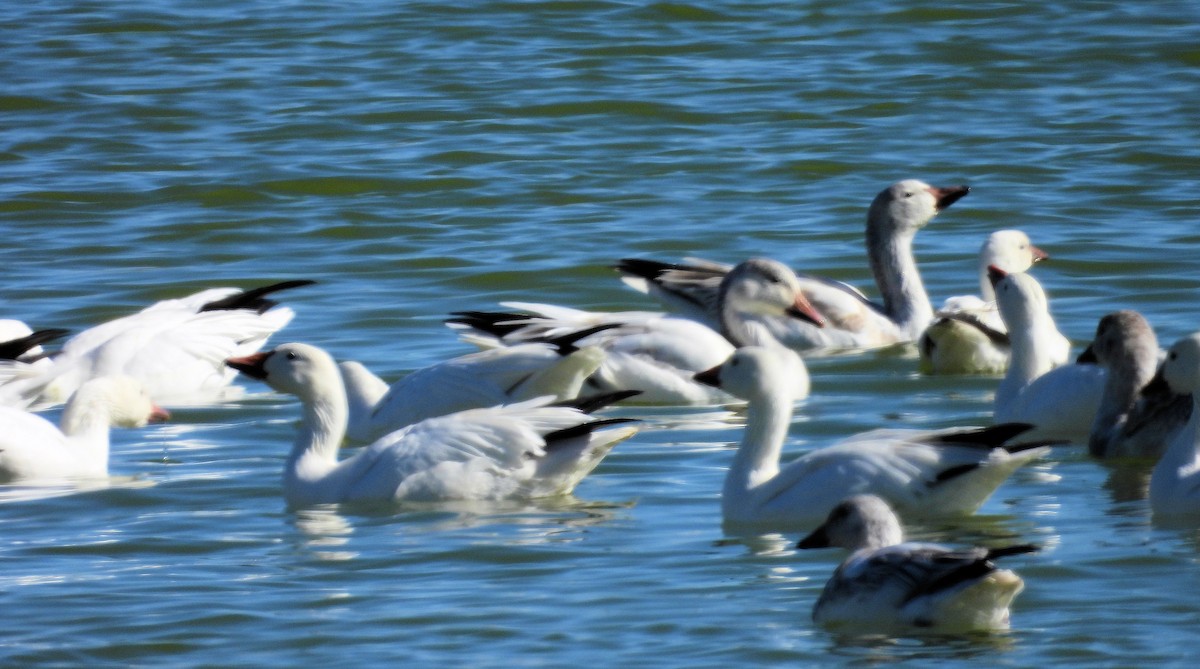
{"points": [[423, 158]]}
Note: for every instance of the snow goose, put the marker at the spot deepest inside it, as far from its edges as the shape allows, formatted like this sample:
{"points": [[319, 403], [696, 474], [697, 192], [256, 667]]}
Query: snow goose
{"points": [[34, 449], [1175, 481], [487, 378], [530, 449], [921, 471], [894, 218], [968, 336], [1134, 419], [659, 354], [889, 586], [175, 348], [1061, 401]]}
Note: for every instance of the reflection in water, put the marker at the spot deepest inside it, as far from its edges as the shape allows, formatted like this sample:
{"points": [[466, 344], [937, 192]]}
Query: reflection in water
{"points": [[27, 491], [878, 649], [327, 529], [1128, 480]]}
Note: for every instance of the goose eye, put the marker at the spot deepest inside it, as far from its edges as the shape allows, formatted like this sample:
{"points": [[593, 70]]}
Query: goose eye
{"points": [[1172, 355], [291, 355]]}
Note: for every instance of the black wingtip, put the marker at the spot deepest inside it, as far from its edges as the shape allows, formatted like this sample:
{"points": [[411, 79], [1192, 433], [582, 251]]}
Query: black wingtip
{"points": [[989, 437], [496, 323], [15, 348], [1020, 549], [559, 436], [254, 298], [640, 267], [565, 344], [593, 403]]}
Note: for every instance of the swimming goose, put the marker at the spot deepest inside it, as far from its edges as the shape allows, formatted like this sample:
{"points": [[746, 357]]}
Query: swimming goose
{"points": [[894, 218], [525, 450], [34, 449], [175, 348], [889, 586], [659, 354], [921, 471], [1175, 481], [1061, 401], [487, 378], [1132, 420], [968, 336]]}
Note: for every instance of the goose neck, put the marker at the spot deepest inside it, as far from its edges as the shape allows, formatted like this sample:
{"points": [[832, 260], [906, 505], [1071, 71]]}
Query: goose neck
{"points": [[85, 422], [757, 460], [895, 269], [322, 429]]}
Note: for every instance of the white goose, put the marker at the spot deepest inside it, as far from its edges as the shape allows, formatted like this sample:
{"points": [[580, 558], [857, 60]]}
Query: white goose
{"points": [[889, 586], [894, 218], [1061, 401], [921, 471], [34, 449], [1134, 420], [968, 336], [175, 348], [1175, 481], [531, 449], [498, 376], [659, 354]]}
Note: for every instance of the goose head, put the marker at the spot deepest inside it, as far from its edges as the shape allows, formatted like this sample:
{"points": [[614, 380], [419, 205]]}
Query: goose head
{"points": [[1019, 297], [751, 373], [1011, 251], [122, 398], [1181, 368], [910, 204], [861, 521], [296, 369], [767, 287], [1124, 340]]}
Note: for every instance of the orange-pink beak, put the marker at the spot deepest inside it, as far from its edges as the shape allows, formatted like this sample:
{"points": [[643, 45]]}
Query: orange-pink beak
{"points": [[803, 309], [948, 195], [252, 365]]}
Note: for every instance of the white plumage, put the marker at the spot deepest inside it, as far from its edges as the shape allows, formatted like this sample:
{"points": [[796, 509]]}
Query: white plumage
{"points": [[851, 321], [921, 471], [530, 449], [1175, 481], [889, 586], [497, 376], [175, 348], [34, 449], [659, 354], [968, 336], [1061, 401]]}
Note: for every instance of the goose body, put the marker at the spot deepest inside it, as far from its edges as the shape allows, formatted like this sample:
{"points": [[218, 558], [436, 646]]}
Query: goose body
{"points": [[659, 354], [968, 336], [887, 585], [530, 449], [920, 471], [1061, 401], [34, 449], [1132, 421], [175, 348], [851, 321], [488, 378], [1175, 481]]}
